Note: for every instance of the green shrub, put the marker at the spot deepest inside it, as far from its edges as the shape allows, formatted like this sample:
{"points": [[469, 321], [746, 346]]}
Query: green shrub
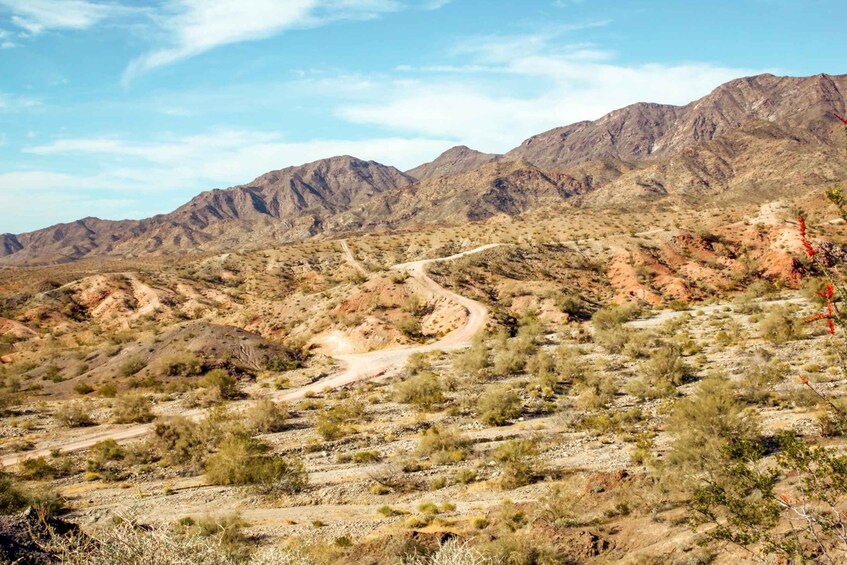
{"points": [[422, 390], [74, 414], [36, 468], [242, 460], [442, 445], [517, 462], [474, 360], [498, 405], [780, 325], [181, 365], [223, 383], [132, 366], [83, 388], [132, 409], [337, 421], [266, 416]]}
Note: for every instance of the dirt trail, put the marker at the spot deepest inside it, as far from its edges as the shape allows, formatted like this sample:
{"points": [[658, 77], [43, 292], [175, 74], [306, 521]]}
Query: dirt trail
{"points": [[358, 366], [348, 255]]}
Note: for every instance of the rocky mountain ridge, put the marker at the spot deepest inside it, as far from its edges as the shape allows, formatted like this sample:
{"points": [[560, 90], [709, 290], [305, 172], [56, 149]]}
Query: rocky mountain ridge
{"points": [[752, 137]]}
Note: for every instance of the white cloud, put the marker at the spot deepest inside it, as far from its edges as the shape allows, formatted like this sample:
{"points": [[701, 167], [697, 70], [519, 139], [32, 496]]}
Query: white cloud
{"points": [[196, 26], [36, 16], [513, 87]]}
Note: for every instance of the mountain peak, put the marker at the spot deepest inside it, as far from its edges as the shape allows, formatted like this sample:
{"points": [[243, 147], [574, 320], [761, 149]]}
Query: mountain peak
{"points": [[456, 160]]}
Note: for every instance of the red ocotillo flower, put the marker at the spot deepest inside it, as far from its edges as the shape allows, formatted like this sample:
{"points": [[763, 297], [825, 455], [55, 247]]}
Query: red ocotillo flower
{"points": [[828, 291], [831, 325], [810, 251], [803, 380], [841, 118]]}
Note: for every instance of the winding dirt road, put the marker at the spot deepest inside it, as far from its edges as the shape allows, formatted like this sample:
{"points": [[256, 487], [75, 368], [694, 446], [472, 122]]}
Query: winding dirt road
{"points": [[358, 366]]}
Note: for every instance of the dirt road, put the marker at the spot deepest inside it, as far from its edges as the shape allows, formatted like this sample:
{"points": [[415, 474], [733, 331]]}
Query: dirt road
{"points": [[358, 366]]}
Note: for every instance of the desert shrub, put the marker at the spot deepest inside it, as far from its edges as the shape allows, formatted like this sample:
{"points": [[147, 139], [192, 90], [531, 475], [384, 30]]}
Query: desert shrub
{"points": [[181, 365], [442, 445], [409, 326], [74, 414], [499, 404], [781, 325], [105, 459], [222, 383], [574, 305], [242, 460], [508, 358], [614, 339], [422, 390], [759, 377], [178, 440], [517, 460], [107, 390], [215, 541], [266, 416], [543, 367], [474, 360], [612, 317], [570, 365], [14, 498], [337, 421], [83, 388], [36, 468], [132, 408], [287, 361], [711, 428], [132, 366], [664, 371]]}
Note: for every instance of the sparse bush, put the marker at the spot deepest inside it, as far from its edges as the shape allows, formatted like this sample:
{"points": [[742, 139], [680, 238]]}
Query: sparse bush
{"points": [[498, 405], [181, 365], [223, 383], [781, 325], [442, 445], [517, 462], [132, 366], [107, 390], [242, 460], [36, 468], [132, 409], [335, 422], [422, 390], [664, 371], [266, 416], [74, 414], [474, 360], [83, 388]]}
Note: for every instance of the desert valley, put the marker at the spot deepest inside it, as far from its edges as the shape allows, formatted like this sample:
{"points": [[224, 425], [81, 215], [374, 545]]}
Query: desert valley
{"points": [[605, 345]]}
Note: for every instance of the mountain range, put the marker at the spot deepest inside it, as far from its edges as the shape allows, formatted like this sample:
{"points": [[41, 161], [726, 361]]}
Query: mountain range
{"points": [[751, 138]]}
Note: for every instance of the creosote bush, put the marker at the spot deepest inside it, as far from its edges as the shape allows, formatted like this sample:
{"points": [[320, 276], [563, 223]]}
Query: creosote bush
{"points": [[132, 409], [74, 414], [498, 405], [422, 390], [442, 445], [242, 460], [517, 460]]}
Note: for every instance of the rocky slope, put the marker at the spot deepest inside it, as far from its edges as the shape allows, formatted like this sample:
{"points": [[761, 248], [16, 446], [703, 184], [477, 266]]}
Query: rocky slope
{"points": [[281, 205], [455, 161], [751, 138]]}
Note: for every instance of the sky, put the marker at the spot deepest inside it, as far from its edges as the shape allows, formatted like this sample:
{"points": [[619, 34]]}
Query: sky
{"points": [[128, 108]]}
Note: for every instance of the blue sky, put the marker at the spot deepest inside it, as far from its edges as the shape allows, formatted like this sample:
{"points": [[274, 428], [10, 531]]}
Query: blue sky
{"points": [[125, 108]]}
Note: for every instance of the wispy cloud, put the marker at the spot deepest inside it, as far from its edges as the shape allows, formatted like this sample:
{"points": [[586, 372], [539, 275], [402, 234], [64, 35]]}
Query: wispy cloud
{"points": [[511, 87], [196, 26], [36, 16]]}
